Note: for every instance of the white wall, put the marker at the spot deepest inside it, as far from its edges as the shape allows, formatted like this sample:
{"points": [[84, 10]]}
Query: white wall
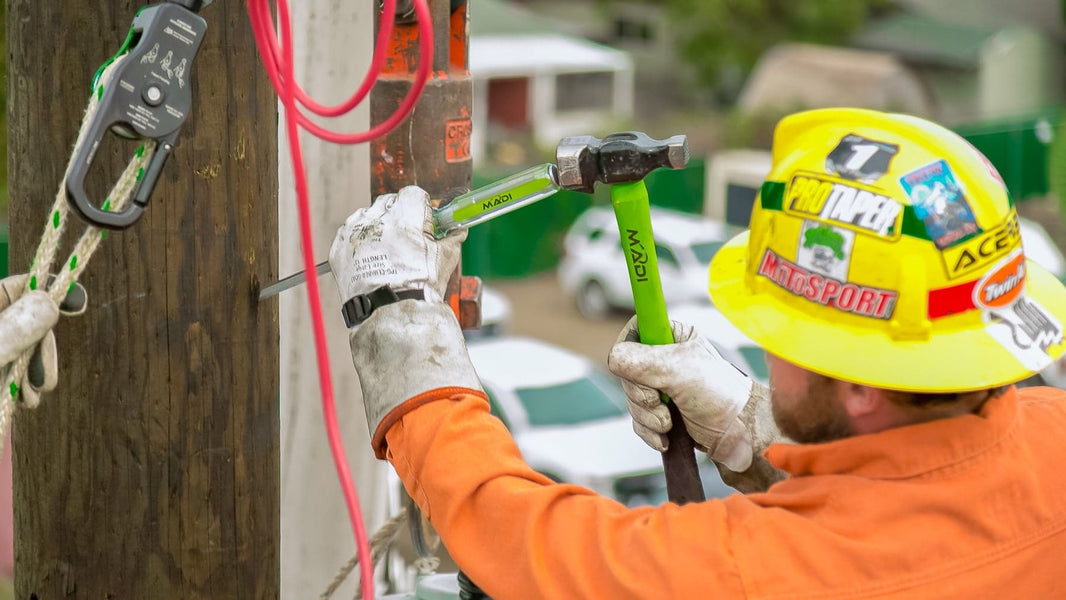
{"points": [[316, 537]]}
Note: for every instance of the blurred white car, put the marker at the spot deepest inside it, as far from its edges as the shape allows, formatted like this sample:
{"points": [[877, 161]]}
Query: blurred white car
{"points": [[593, 267], [1040, 248], [730, 342], [569, 420], [495, 315]]}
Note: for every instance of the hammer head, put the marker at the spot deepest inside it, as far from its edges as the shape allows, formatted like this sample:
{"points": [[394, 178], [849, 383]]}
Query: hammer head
{"points": [[618, 158]]}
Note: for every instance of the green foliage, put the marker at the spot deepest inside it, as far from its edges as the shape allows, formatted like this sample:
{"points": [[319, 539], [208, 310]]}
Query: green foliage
{"points": [[752, 130], [1056, 160], [722, 39], [3, 116]]}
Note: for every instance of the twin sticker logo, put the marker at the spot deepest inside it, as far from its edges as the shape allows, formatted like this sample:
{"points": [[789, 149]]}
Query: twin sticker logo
{"points": [[826, 249], [827, 291], [938, 201], [844, 204], [1024, 327], [984, 249], [1002, 285]]}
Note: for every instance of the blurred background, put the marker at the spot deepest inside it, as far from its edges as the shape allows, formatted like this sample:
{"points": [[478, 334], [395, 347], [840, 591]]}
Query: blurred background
{"points": [[722, 72]]}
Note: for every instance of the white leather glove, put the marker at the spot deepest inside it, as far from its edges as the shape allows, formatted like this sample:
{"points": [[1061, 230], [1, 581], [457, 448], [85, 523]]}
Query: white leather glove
{"points": [[391, 244], [709, 392], [406, 348], [26, 321]]}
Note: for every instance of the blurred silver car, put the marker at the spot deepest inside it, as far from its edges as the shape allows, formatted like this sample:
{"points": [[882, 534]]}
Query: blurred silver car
{"points": [[568, 417], [593, 268]]}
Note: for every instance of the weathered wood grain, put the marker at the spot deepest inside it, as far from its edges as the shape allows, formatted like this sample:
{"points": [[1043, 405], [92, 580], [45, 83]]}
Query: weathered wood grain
{"points": [[153, 470]]}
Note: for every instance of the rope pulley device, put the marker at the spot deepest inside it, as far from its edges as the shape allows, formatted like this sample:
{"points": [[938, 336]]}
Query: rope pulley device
{"points": [[148, 97]]}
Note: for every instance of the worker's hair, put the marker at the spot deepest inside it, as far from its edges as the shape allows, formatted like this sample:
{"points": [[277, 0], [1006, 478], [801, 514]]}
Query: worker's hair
{"points": [[917, 400]]}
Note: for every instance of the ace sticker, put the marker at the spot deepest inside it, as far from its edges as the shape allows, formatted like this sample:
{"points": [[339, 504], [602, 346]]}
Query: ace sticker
{"points": [[938, 200], [825, 249], [860, 159]]}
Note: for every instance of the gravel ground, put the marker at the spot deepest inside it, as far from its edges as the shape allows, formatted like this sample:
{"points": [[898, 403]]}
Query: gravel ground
{"points": [[541, 310]]}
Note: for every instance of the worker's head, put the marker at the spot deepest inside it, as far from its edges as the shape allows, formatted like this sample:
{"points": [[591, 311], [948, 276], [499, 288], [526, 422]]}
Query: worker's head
{"points": [[812, 408], [884, 251]]}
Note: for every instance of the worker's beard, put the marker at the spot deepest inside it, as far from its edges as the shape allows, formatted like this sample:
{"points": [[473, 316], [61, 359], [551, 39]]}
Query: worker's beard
{"points": [[815, 417]]}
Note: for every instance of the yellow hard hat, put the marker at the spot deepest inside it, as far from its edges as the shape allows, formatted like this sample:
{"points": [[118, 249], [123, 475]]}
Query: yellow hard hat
{"points": [[885, 250]]}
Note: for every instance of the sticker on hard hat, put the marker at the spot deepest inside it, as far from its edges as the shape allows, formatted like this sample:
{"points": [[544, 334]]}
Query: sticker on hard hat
{"points": [[843, 203], [975, 253], [826, 249], [938, 200], [827, 291], [1027, 330], [1019, 323], [1003, 284], [861, 159]]}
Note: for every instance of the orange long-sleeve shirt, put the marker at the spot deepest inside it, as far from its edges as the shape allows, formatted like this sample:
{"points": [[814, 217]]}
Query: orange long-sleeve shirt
{"points": [[969, 507]]}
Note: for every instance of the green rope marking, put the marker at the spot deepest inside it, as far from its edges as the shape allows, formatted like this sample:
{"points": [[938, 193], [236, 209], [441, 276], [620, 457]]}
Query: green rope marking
{"points": [[71, 288], [106, 205], [33, 282], [103, 234], [73, 261], [140, 173], [14, 390], [140, 152], [55, 219], [99, 92], [122, 50]]}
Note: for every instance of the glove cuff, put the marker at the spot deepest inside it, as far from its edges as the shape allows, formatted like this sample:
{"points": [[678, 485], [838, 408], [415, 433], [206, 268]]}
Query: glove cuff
{"points": [[403, 351]]}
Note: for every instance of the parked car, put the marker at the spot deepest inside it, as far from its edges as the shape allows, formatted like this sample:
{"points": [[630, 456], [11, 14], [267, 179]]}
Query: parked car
{"points": [[568, 417], [593, 268], [730, 342], [495, 315], [1040, 248]]}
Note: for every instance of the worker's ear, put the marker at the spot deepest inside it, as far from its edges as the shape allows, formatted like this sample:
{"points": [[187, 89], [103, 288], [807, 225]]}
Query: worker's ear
{"points": [[860, 400]]}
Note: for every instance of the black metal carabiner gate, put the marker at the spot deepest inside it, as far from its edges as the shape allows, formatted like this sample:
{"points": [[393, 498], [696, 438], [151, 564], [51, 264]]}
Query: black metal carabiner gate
{"points": [[148, 97]]}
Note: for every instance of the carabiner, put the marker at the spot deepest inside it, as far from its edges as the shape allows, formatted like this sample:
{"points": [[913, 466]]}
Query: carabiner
{"points": [[148, 97]]}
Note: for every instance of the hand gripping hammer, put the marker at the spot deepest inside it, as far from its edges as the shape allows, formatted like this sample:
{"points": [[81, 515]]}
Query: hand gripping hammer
{"points": [[624, 160]]}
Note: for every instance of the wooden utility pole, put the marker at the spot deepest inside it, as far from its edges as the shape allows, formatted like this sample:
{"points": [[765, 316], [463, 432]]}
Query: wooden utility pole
{"points": [[152, 471]]}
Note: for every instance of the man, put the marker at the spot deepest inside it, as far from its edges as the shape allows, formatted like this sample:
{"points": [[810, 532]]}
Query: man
{"points": [[914, 470]]}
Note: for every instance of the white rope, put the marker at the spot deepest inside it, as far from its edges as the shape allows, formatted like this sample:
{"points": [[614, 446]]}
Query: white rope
{"points": [[83, 250], [379, 543]]}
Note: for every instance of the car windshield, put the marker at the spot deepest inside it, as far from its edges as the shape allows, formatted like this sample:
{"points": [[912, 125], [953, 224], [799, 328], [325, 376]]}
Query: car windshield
{"points": [[756, 359], [704, 251], [591, 398]]}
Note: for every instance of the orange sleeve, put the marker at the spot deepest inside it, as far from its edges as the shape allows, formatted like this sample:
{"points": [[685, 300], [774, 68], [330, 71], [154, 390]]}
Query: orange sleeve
{"points": [[519, 535]]}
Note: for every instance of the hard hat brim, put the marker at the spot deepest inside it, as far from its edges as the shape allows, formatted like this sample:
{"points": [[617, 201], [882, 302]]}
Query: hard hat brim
{"points": [[949, 361]]}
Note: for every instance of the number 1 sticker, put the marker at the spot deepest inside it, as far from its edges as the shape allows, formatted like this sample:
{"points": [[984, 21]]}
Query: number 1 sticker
{"points": [[860, 159]]}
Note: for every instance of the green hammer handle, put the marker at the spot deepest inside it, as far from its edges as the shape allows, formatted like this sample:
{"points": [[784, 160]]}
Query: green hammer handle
{"points": [[632, 211]]}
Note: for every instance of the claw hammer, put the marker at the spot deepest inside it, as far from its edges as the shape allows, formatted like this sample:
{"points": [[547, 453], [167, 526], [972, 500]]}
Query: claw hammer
{"points": [[623, 160]]}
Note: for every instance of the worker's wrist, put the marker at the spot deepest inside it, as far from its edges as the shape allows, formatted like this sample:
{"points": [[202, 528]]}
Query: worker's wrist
{"points": [[378, 439], [359, 307], [406, 349]]}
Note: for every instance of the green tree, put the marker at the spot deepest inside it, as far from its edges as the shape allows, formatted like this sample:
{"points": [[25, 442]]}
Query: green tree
{"points": [[3, 116], [722, 39]]}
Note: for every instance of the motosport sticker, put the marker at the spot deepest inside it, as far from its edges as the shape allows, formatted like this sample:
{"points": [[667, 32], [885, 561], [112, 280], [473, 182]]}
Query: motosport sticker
{"points": [[843, 203], [827, 291], [825, 249], [938, 200], [860, 159]]}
